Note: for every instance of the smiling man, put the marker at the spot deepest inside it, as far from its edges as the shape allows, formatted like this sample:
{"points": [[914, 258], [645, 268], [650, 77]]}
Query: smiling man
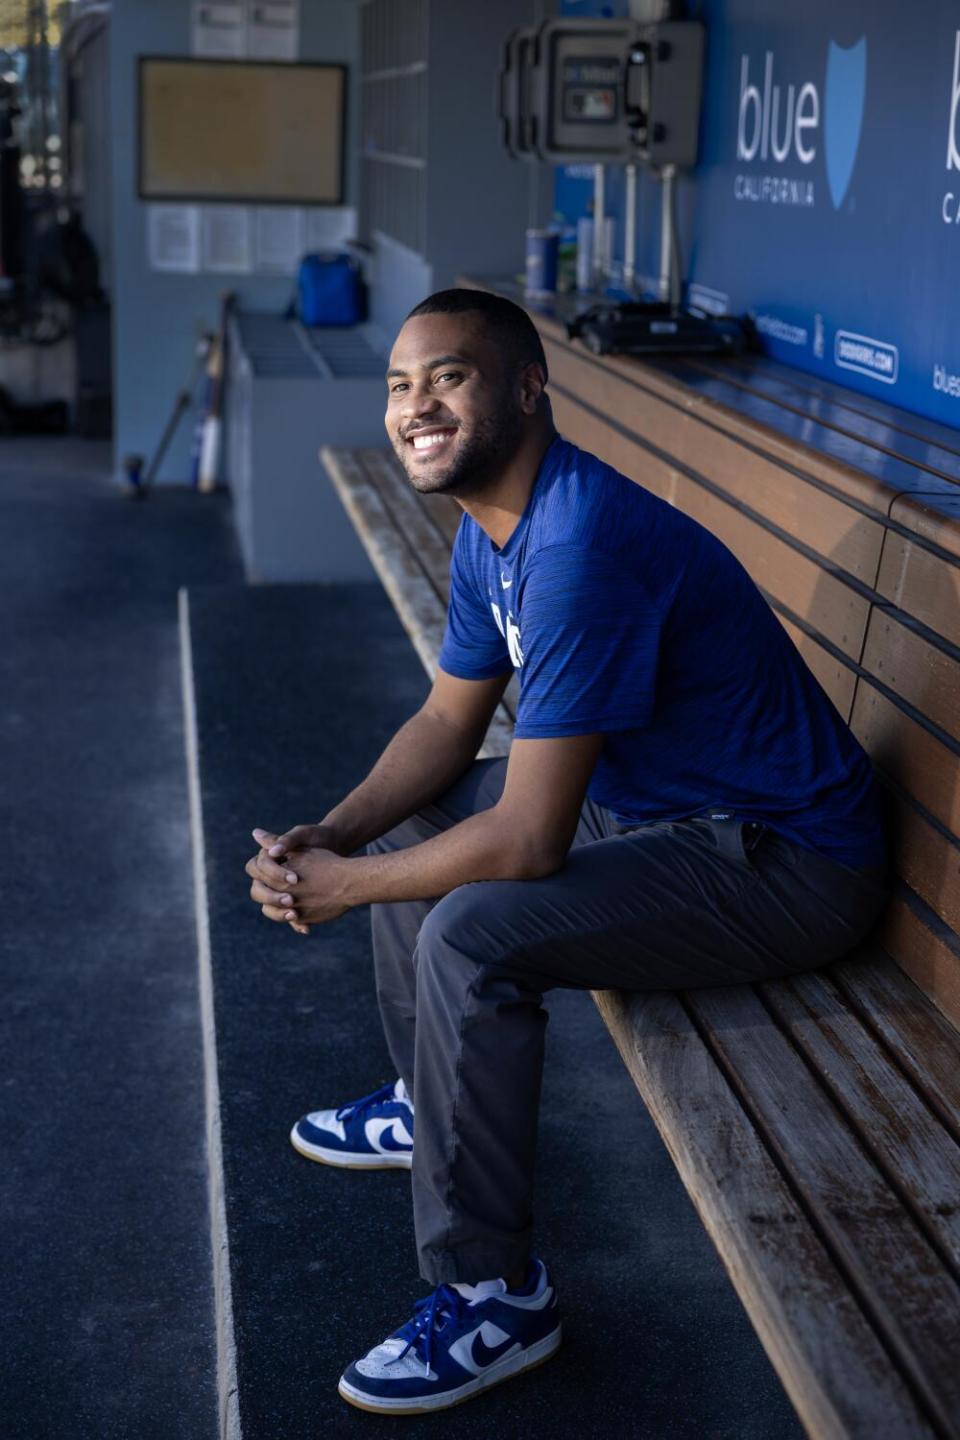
{"points": [[682, 806]]}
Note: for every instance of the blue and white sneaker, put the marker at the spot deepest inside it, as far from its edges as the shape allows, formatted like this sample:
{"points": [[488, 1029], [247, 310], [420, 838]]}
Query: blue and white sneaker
{"points": [[462, 1339], [375, 1133]]}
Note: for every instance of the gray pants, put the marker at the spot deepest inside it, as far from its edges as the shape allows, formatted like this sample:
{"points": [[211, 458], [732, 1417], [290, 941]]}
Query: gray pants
{"points": [[460, 982]]}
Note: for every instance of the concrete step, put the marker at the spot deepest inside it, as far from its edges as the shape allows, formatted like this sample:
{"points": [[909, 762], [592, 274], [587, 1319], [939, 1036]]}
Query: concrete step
{"points": [[295, 690]]}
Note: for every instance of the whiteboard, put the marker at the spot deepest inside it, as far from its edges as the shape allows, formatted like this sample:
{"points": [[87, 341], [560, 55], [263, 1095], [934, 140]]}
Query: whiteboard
{"points": [[243, 131]]}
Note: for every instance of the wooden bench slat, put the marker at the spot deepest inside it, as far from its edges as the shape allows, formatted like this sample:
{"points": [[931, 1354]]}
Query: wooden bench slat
{"points": [[445, 514], [845, 463], [828, 1357], [835, 413], [910, 754], [924, 1043], [818, 518], [903, 1136], [921, 584], [934, 517], [933, 435], [930, 960], [897, 1276], [409, 518], [923, 673], [928, 861], [413, 596], [920, 497], [442, 512]]}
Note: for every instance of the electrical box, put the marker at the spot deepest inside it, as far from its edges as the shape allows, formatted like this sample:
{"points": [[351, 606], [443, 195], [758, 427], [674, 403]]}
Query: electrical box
{"points": [[603, 92], [579, 90]]}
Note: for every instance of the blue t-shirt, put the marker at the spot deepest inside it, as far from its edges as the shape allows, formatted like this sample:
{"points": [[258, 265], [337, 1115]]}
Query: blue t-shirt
{"points": [[624, 616]]}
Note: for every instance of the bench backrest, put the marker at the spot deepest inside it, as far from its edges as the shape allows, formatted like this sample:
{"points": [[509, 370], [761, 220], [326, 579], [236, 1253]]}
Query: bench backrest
{"points": [[847, 514]]}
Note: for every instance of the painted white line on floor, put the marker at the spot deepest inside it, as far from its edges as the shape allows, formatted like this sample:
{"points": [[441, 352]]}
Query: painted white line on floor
{"points": [[227, 1395]]}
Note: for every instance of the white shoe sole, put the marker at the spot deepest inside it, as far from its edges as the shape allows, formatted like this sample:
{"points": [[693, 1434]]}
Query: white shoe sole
{"points": [[348, 1161], [503, 1370]]}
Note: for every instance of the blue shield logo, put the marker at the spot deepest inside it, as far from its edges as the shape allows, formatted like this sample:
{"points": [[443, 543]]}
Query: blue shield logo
{"points": [[846, 92]]}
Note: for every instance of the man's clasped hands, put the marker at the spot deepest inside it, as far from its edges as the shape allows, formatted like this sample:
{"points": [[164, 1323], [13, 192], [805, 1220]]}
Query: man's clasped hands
{"points": [[296, 876]]}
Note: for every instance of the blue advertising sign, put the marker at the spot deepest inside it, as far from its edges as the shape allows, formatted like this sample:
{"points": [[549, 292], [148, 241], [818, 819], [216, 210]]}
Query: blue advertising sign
{"points": [[826, 201]]}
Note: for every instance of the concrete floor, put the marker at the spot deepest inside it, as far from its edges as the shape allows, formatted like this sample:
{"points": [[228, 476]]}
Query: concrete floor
{"points": [[105, 1300]]}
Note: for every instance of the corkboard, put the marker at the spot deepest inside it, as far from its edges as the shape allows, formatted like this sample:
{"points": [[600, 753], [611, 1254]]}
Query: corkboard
{"points": [[245, 131]]}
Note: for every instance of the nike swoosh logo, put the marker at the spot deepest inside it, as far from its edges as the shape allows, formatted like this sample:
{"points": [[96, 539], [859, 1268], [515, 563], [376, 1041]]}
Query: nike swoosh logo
{"points": [[386, 1135], [482, 1353], [505, 583]]}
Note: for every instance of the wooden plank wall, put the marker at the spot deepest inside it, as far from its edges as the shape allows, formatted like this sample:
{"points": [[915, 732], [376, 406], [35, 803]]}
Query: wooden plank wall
{"points": [[847, 514]]}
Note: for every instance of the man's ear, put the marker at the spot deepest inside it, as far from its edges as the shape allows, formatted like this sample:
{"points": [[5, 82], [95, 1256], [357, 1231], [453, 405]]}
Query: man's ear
{"points": [[532, 384]]}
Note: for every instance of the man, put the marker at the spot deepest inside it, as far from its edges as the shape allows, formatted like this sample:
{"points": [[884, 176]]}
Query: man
{"points": [[682, 806]]}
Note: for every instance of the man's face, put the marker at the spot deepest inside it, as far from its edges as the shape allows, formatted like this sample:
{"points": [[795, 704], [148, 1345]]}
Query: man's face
{"points": [[453, 412]]}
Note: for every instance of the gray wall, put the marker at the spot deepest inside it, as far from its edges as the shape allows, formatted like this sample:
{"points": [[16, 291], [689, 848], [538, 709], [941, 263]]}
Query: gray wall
{"points": [[399, 278], [479, 201], [478, 198], [157, 316]]}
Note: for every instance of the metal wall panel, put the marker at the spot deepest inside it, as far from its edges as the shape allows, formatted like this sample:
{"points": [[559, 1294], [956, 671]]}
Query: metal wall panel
{"points": [[393, 66]]}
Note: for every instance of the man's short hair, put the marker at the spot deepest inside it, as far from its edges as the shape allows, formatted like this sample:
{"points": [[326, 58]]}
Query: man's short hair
{"points": [[510, 327]]}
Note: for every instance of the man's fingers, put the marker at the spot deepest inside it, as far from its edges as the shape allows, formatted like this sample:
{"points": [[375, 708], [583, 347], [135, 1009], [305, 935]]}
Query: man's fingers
{"points": [[300, 836], [270, 880], [271, 843], [272, 913], [271, 873], [265, 895], [278, 877], [281, 913]]}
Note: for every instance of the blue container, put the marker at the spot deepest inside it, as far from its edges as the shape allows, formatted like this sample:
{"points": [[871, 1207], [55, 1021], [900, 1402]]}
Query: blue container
{"points": [[541, 267], [329, 291]]}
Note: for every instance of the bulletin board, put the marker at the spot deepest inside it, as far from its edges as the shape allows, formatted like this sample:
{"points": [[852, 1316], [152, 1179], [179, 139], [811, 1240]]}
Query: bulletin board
{"points": [[251, 132]]}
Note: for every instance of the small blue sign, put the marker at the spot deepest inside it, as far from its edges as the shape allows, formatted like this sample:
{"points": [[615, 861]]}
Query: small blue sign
{"points": [[846, 90]]}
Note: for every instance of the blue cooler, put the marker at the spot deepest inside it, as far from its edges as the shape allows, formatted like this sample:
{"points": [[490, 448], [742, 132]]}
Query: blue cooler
{"points": [[329, 290]]}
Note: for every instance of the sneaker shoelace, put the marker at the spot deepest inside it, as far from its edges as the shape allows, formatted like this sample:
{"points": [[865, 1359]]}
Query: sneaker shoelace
{"points": [[376, 1097], [429, 1316]]}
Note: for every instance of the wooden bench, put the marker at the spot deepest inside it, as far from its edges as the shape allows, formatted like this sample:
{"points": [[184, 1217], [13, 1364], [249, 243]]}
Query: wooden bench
{"points": [[815, 1122]]}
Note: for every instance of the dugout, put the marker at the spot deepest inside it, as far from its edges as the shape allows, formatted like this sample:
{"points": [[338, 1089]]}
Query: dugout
{"points": [[824, 205]]}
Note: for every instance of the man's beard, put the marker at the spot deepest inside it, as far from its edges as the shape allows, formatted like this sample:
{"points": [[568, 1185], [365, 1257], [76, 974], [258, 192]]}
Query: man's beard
{"points": [[478, 463]]}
